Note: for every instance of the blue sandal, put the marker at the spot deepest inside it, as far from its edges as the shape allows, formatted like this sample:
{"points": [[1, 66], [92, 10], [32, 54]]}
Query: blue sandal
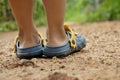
{"points": [[30, 52], [75, 43]]}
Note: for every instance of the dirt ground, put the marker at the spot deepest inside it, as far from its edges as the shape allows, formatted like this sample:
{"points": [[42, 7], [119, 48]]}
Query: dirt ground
{"points": [[100, 60]]}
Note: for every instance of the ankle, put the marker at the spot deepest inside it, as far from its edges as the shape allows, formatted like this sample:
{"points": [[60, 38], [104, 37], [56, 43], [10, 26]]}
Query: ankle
{"points": [[57, 42], [28, 40], [57, 39]]}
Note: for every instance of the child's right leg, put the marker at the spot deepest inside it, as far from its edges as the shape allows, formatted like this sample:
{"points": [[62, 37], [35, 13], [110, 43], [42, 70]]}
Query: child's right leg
{"points": [[61, 39], [55, 11]]}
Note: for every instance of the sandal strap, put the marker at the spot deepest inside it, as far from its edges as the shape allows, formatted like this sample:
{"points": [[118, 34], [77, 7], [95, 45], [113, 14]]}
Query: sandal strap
{"points": [[43, 40], [15, 48], [17, 38], [72, 40]]}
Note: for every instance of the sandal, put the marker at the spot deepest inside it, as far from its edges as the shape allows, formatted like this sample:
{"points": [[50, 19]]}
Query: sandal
{"points": [[30, 52], [75, 43]]}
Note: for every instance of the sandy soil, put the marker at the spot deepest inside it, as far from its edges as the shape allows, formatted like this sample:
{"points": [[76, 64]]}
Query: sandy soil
{"points": [[100, 60]]}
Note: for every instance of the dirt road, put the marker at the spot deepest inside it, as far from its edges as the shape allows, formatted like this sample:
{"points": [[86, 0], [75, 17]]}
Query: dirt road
{"points": [[100, 60]]}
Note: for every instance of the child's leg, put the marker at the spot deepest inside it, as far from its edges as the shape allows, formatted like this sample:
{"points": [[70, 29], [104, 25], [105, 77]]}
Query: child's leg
{"points": [[22, 10], [55, 10]]}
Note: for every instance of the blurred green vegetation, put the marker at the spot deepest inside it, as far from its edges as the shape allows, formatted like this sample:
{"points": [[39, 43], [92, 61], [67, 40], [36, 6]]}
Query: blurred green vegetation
{"points": [[93, 10], [76, 10]]}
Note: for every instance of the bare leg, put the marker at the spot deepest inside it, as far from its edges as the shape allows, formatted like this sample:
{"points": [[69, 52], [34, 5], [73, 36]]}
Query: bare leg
{"points": [[55, 10], [22, 10]]}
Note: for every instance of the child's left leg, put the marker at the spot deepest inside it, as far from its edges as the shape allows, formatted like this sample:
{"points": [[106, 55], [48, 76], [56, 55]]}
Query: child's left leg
{"points": [[23, 12], [29, 43]]}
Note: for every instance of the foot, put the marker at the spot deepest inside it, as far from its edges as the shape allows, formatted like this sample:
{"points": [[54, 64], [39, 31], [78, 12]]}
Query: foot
{"points": [[57, 38], [29, 47], [73, 44]]}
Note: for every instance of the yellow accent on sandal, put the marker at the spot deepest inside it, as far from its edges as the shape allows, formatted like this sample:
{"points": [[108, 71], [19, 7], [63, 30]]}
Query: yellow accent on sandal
{"points": [[43, 40], [73, 37], [15, 48]]}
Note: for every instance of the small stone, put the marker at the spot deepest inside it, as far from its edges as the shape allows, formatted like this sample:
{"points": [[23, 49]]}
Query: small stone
{"points": [[63, 66]]}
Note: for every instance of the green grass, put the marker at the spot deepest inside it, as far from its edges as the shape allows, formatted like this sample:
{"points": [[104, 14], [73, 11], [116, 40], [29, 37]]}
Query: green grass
{"points": [[76, 11], [8, 26]]}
